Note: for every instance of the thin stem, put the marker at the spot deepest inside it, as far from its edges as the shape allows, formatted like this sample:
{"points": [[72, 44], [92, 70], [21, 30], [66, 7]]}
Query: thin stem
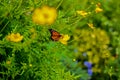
{"points": [[59, 4], [4, 27], [20, 3]]}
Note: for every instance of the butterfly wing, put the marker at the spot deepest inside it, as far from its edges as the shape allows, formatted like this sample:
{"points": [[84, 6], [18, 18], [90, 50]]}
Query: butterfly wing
{"points": [[55, 36]]}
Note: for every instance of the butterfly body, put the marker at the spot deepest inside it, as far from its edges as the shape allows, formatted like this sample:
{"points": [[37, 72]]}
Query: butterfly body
{"points": [[55, 36]]}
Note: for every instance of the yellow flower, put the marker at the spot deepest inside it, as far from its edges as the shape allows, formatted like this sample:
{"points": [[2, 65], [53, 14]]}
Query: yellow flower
{"points": [[44, 15], [98, 9], [64, 39], [89, 53], [82, 13], [91, 25], [8, 62], [95, 69], [98, 4], [14, 37], [106, 54], [96, 59]]}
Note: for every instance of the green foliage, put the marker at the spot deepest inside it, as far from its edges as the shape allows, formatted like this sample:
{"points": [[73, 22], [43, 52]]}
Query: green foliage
{"points": [[36, 57]]}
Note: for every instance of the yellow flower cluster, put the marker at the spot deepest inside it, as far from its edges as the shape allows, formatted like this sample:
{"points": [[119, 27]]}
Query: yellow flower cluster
{"points": [[44, 15], [94, 45], [96, 69], [82, 13], [98, 9], [14, 37], [64, 39]]}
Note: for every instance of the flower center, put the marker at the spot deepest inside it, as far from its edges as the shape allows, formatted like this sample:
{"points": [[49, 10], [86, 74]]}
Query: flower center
{"points": [[46, 15], [15, 36]]}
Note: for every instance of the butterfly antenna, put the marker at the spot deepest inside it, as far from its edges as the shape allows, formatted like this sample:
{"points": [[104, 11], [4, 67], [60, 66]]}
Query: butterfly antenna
{"points": [[50, 29]]}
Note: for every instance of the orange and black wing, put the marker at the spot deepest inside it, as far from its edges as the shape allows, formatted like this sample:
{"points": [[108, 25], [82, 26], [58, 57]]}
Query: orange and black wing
{"points": [[55, 36]]}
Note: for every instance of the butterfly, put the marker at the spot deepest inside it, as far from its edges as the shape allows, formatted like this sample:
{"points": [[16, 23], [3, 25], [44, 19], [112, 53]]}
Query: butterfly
{"points": [[55, 36]]}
